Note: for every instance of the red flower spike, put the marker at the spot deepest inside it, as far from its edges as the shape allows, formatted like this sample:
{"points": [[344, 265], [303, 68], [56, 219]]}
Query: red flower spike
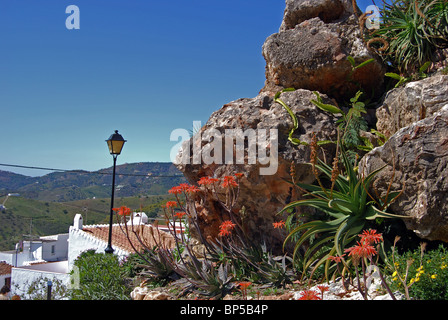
{"points": [[226, 228], [244, 285], [279, 225], [180, 214], [171, 204], [206, 181], [123, 211], [371, 237], [192, 189], [175, 190], [229, 181], [323, 288], [361, 250], [336, 259], [309, 295]]}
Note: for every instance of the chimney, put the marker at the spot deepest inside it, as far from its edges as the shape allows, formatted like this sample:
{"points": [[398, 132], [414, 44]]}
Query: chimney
{"points": [[77, 222]]}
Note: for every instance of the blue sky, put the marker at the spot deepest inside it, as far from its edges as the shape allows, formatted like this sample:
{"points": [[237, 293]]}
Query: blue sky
{"points": [[142, 67]]}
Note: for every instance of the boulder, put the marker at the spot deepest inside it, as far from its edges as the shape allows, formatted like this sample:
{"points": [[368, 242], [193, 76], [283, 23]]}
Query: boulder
{"points": [[416, 160], [264, 189], [312, 48], [157, 295], [139, 292], [412, 102], [328, 11]]}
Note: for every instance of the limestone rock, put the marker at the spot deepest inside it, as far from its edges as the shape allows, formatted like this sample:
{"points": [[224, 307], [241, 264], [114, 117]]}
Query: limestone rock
{"points": [[419, 153], [139, 292], [297, 11], [157, 295], [261, 195], [311, 50], [412, 102]]}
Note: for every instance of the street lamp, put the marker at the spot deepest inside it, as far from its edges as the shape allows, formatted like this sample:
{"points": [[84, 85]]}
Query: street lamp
{"points": [[115, 144]]}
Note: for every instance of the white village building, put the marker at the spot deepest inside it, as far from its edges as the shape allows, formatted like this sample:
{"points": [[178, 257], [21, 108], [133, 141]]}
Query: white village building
{"points": [[51, 258]]}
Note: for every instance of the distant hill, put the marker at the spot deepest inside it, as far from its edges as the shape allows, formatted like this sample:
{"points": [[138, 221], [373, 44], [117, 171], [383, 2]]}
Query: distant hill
{"points": [[46, 205], [25, 218], [144, 178]]}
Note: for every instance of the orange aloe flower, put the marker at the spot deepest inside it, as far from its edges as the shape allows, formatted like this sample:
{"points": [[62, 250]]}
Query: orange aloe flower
{"points": [[279, 225], [123, 211], [244, 285], [361, 250], [336, 258], [192, 189], [323, 288], [175, 190], [371, 237], [170, 204], [207, 181], [180, 214], [229, 181], [309, 295], [239, 175], [226, 228]]}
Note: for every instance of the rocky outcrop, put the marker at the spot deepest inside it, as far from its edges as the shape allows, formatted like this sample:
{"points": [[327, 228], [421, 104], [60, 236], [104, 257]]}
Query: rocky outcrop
{"points": [[412, 102], [328, 11], [311, 51], [416, 160], [262, 194]]}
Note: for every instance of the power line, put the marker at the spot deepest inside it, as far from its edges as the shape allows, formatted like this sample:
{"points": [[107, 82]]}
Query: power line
{"points": [[90, 172]]}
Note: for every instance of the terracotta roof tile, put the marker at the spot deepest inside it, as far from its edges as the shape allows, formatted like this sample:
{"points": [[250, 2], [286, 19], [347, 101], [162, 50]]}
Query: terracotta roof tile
{"points": [[5, 268], [133, 237]]}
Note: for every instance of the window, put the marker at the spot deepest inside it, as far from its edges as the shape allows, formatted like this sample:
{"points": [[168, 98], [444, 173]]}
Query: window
{"points": [[53, 250]]}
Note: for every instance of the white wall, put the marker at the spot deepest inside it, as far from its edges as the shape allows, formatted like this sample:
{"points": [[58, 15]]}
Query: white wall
{"points": [[38, 250], [80, 241], [60, 244], [23, 277]]}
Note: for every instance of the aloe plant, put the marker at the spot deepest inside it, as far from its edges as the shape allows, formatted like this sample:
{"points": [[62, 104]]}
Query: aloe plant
{"points": [[347, 205], [414, 29], [295, 121]]}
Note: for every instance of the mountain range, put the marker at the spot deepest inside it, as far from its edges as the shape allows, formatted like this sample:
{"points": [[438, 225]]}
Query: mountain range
{"points": [[144, 178], [46, 205]]}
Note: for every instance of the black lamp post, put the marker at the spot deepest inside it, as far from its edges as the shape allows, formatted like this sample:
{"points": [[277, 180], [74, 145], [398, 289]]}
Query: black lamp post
{"points": [[115, 144]]}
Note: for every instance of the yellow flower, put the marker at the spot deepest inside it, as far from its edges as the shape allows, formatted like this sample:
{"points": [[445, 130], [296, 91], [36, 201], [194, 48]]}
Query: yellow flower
{"points": [[417, 279], [433, 276], [412, 281], [394, 279], [394, 274], [443, 266]]}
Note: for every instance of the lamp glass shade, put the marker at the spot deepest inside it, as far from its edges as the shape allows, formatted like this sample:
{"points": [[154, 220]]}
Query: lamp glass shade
{"points": [[115, 143]]}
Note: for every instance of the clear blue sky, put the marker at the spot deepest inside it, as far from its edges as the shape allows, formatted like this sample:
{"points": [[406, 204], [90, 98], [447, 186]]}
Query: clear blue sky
{"points": [[143, 67]]}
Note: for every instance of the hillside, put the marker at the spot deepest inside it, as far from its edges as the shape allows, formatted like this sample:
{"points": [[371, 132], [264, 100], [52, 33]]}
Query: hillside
{"points": [[131, 179], [48, 204], [24, 217]]}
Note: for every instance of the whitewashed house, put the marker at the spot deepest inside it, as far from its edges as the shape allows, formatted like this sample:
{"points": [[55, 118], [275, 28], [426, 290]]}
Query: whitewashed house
{"points": [[46, 248], [52, 261]]}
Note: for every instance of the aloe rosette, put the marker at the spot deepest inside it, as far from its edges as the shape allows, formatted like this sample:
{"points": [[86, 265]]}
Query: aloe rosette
{"points": [[347, 205]]}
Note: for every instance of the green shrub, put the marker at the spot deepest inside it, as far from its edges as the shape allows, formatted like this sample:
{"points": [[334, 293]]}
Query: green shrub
{"points": [[426, 276], [347, 205], [100, 278], [413, 30]]}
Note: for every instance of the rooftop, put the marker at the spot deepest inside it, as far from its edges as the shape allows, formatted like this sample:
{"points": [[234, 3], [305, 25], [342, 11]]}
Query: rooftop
{"points": [[5, 268], [132, 237]]}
